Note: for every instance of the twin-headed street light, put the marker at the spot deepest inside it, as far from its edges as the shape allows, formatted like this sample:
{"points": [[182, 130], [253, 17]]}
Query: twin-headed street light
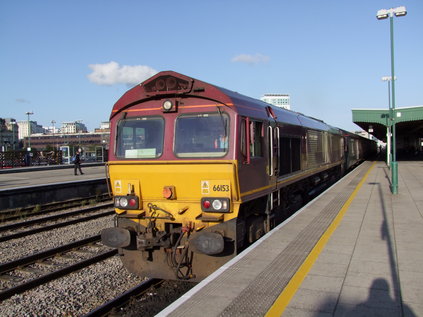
{"points": [[384, 14]]}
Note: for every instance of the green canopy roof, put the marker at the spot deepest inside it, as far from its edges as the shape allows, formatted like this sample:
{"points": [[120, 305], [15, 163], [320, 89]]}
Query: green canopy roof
{"points": [[409, 121]]}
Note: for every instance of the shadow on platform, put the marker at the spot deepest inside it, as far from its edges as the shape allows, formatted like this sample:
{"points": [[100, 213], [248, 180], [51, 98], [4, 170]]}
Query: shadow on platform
{"points": [[379, 301]]}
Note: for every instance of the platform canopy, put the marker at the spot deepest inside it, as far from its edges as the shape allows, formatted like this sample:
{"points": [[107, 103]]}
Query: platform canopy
{"points": [[409, 122]]}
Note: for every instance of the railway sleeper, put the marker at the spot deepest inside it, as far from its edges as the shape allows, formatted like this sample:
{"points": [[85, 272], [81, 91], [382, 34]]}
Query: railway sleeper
{"points": [[27, 269], [10, 278], [48, 263]]}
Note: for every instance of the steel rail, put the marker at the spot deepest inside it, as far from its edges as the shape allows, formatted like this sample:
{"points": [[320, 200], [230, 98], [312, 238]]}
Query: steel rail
{"points": [[53, 217], [13, 265], [123, 298], [55, 275], [13, 214], [9, 266], [54, 226]]}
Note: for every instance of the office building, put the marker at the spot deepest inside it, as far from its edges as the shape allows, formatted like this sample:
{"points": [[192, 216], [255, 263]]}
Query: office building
{"points": [[279, 100]]}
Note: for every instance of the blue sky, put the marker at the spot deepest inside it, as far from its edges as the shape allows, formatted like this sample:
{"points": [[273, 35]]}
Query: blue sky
{"points": [[71, 60]]}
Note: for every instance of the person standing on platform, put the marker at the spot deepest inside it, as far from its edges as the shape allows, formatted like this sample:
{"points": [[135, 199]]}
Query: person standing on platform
{"points": [[77, 163]]}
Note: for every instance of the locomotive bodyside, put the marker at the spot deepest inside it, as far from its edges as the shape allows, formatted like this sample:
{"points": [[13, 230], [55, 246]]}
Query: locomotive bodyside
{"points": [[199, 172]]}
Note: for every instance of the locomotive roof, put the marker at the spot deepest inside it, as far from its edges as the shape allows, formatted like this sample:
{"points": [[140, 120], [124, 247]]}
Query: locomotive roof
{"points": [[173, 84]]}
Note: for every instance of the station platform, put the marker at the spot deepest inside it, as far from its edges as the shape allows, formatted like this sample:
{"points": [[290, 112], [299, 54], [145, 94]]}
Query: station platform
{"points": [[37, 176], [356, 250]]}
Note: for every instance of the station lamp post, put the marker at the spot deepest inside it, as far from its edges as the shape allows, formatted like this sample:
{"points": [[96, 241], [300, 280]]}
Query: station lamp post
{"points": [[388, 121], [29, 129], [53, 122], [13, 123], [384, 14]]}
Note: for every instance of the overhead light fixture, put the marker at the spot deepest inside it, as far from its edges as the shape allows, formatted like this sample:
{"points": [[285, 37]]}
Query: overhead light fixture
{"points": [[400, 11], [382, 14], [386, 13], [388, 78]]}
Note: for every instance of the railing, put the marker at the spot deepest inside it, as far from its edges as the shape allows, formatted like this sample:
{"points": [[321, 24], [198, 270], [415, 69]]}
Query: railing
{"points": [[12, 159]]}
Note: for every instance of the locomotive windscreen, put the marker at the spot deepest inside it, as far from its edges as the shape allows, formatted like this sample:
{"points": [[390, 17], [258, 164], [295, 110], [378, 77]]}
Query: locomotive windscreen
{"points": [[140, 137], [201, 135]]}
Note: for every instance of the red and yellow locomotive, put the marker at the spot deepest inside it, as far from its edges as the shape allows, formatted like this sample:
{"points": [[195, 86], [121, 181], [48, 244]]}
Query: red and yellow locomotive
{"points": [[198, 172]]}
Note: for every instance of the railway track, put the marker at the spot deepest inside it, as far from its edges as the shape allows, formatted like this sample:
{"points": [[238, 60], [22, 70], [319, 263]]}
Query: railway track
{"points": [[124, 298], [26, 273], [20, 229], [16, 214]]}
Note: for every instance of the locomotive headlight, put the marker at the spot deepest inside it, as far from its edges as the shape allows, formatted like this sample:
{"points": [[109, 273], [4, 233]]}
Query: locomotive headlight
{"points": [[167, 105], [217, 204], [170, 105], [123, 202]]}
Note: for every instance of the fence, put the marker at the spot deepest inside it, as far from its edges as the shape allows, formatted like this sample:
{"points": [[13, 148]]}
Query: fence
{"points": [[35, 158]]}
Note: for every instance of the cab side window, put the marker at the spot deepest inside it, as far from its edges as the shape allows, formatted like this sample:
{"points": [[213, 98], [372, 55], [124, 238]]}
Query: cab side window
{"points": [[256, 138], [252, 136]]}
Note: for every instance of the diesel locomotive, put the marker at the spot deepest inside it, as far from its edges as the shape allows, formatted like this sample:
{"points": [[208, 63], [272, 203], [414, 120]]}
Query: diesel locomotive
{"points": [[199, 172]]}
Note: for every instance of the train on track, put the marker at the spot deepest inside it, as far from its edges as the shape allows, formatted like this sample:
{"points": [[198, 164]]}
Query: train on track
{"points": [[199, 172]]}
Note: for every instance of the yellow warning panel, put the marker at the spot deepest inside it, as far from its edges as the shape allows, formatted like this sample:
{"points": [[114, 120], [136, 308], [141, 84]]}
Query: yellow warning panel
{"points": [[117, 187]]}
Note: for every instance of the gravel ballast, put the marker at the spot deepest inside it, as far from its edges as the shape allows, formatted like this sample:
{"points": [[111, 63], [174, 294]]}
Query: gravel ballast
{"points": [[17, 248], [80, 292], [75, 294]]}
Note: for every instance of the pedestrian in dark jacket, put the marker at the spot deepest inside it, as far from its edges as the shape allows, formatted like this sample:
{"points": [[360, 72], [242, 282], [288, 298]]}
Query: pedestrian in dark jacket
{"points": [[77, 163]]}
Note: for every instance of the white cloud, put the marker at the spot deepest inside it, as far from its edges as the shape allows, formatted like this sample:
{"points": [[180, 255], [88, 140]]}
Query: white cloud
{"points": [[251, 59], [22, 100], [113, 73]]}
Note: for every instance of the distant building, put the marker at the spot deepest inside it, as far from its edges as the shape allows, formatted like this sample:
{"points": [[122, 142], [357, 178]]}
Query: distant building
{"points": [[51, 130], [55, 141], [279, 100], [24, 129], [14, 136], [73, 127], [104, 127], [9, 138]]}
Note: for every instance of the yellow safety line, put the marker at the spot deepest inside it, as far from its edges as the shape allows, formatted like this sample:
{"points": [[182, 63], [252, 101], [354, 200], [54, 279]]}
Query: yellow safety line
{"points": [[288, 293]]}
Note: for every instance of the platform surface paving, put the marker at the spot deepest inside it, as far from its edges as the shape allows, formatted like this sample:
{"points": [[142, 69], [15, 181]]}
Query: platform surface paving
{"points": [[355, 251], [45, 176]]}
